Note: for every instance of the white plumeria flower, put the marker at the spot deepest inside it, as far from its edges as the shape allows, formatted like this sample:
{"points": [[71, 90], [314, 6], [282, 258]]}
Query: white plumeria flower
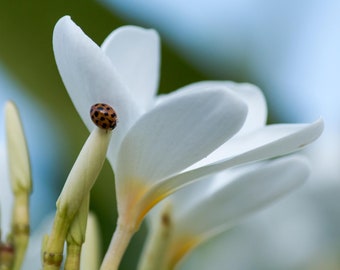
{"points": [[217, 202], [212, 205], [153, 144]]}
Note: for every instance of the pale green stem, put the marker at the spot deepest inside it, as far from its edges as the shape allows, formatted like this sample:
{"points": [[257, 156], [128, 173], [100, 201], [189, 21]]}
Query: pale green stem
{"points": [[91, 249], [76, 236], [155, 251], [76, 189], [117, 248], [20, 176], [20, 228], [53, 249], [73, 257], [6, 256]]}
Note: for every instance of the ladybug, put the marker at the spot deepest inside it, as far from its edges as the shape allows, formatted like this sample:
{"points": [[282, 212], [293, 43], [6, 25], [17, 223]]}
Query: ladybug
{"points": [[103, 116]]}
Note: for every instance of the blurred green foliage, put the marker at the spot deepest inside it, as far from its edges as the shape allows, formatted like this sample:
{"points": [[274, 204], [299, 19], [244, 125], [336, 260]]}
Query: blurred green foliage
{"points": [[26, 29]]}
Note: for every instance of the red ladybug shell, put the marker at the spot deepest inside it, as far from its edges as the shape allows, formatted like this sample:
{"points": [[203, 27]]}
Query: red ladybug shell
{"points": [[103, 116]]}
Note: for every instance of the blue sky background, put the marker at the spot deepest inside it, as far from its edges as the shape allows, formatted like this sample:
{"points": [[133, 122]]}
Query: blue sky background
{"points": [[291, 49]]}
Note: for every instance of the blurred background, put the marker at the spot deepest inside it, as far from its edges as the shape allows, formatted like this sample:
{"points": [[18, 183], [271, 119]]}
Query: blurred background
{"points": [[290, 49]]}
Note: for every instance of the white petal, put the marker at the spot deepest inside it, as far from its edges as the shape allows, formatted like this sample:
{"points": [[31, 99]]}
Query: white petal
{"points": [[250, 94], [265, 137], [89, 76], [256, 102], [135, 52], [179, 132], [246, 190], [269, 142]]}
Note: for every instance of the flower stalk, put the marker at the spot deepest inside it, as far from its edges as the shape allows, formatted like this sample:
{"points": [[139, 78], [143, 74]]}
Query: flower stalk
{"points": [[118, 245], [20, 176], [154, 255], [75, 191], [76, 236], [91, 249], [6, 256], [20, 228]]}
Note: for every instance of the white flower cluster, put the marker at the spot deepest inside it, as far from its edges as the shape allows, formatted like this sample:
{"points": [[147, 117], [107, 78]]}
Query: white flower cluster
{"points": [[203, 154]]}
